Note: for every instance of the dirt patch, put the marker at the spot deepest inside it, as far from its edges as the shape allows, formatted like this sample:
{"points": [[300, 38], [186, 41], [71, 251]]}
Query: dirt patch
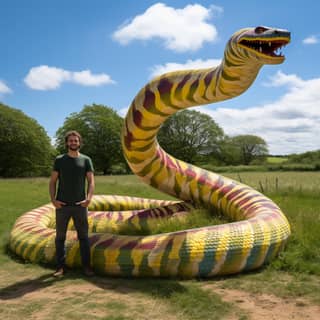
{"points": [[43, 297], [266, 306], [78, 300]]}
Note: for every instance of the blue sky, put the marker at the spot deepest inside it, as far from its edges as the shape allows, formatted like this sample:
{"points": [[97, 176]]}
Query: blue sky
{"points": [[57, 56]]}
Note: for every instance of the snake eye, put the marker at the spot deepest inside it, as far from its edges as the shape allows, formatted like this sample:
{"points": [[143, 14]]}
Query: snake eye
{"points": [[260, 29]]}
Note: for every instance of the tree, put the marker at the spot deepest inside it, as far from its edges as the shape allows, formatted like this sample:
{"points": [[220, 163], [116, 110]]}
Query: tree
{"points": [[309, 157], [25, 146], [100, 128], [248, 148], [190, 135], [229, 152]]}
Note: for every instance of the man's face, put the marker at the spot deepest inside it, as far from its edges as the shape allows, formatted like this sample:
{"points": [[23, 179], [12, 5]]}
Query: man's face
{"points": [[73, 143]]}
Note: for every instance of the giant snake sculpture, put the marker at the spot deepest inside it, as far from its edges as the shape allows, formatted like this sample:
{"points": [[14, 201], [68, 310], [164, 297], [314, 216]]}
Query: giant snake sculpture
{"points": [[260, 230]]}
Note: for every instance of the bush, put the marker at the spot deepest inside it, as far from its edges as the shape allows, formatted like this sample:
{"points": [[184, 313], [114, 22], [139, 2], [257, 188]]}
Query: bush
{"points": [[265, 167], [25, 146], [119, 169]]}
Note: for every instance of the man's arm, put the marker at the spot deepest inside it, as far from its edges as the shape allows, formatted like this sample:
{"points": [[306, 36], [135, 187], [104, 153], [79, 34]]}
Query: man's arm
{"points": [[52, 190], [90, 179]]}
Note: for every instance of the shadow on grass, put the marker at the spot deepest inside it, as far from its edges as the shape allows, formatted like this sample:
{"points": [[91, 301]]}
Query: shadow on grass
{"points": [[160, 288], [183, 297], [23, 287], [163, 288], [178, 294], [157, 287]]}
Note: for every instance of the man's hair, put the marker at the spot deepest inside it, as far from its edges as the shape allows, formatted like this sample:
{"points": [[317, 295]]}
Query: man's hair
{"points": [[72, 133]]}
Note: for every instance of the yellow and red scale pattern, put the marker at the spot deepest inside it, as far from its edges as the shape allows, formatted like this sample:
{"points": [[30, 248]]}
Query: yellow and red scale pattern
{"points": [[33, 235], [261, 229], [258, 234]]}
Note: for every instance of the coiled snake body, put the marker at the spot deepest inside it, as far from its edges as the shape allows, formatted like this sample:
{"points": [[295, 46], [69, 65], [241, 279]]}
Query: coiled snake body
{"points": [[260, 229]]}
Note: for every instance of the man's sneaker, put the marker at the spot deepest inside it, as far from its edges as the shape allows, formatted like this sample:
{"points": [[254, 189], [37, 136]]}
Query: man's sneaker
{"points": [[59, 273], [87, 271]]}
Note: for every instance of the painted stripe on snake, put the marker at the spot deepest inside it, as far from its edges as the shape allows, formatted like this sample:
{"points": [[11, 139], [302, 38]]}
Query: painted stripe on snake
{"points": [[259, 231]]}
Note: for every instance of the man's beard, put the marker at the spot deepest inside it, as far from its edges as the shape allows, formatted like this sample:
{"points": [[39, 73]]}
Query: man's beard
{"points": [[74, 148]]}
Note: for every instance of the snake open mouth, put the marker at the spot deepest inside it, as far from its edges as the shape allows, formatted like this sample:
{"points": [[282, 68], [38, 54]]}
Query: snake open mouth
{"points": [[271, 48], [265, 42]]}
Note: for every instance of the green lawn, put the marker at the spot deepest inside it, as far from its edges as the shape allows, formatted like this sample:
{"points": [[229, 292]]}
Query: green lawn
{"points": [[28, 291]]}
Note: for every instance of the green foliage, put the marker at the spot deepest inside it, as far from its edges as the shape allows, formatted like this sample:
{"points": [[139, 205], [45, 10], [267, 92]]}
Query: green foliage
{"points": [[248, 148], [190, 135], [120, 168], [303, 253], [25, 146], [100, 128], [241, 150], [292, 167], [310, 157], [261, 167], [234, 168], [230, 153]]}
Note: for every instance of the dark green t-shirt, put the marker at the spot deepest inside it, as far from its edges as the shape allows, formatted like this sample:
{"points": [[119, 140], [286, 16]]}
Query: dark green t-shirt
{"points": [[72, 177]]}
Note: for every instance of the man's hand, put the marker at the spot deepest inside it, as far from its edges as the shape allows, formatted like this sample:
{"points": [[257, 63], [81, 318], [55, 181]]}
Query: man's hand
{"points": [[58, 204], [84, 203]]}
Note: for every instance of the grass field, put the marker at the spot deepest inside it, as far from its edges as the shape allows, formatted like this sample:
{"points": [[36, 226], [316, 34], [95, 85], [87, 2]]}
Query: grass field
{"points": [[276, 160], [291, 283]]}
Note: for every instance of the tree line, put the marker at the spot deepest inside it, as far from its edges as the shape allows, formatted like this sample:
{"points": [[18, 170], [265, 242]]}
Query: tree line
{"points": [[26, 149]]}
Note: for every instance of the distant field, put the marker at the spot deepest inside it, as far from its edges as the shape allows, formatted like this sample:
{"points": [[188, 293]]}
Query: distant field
{"points": [[276, 160], [28, 291], [280, 181]]}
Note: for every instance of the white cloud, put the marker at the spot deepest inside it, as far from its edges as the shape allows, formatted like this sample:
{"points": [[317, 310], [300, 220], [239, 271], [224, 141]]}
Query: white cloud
{"points": [[123, 111], [311, 40], [4, 88], [51, 78], [280, 79], [86, 78], [182, 29], [46, 78], [190, 64], [289, 125], [215, 10]]}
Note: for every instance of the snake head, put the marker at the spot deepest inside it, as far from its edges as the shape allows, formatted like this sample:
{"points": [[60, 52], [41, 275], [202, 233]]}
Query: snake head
{"points": [[262, 43]]}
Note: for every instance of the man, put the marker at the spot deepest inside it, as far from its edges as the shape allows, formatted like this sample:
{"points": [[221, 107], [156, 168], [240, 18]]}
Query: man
{"points": [[71, 200]]}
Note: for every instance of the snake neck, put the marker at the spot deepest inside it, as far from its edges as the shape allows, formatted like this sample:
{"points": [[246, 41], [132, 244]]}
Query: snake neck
{"points": [[176, 91], [246, 52]]}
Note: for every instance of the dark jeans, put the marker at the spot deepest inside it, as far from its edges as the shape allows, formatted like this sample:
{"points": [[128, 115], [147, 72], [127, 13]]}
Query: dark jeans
{"points": [[79, 216]]}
